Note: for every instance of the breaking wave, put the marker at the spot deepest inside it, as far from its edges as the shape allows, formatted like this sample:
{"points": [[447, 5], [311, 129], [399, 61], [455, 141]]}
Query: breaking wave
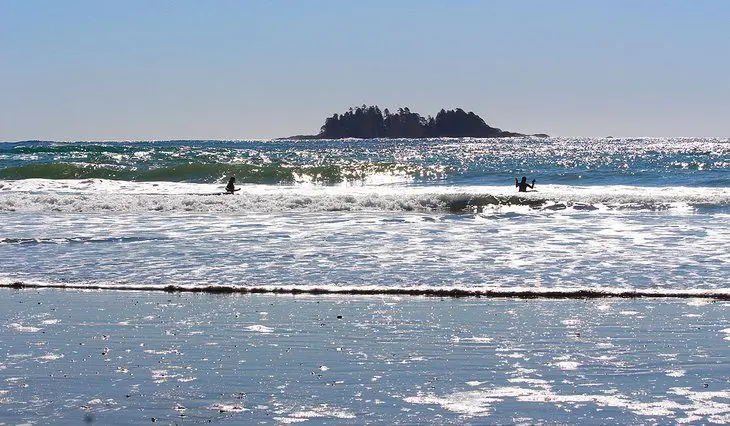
{"points": [[79, 196]]}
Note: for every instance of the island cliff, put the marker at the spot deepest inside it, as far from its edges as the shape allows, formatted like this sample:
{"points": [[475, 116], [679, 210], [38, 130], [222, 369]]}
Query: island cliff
{"points": [[369, 122]]}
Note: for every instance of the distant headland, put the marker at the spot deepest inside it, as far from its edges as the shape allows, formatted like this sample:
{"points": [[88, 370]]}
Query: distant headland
{"points": [[368, 122]]}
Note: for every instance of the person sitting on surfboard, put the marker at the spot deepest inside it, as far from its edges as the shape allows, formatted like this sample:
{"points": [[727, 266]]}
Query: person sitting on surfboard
{"points": [[524, 185], [231, 188]]}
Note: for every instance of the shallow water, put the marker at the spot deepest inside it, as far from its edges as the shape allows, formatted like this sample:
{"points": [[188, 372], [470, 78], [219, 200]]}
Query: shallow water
{"points": [[577, 251], [128, 357]]}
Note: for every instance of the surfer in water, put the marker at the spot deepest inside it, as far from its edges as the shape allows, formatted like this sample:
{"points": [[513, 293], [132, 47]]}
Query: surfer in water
{"points": [[523, 185], [231, 187]]}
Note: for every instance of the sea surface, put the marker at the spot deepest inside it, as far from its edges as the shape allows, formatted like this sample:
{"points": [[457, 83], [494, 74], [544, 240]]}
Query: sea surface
{"points": [[366, 281], [607, 216]]}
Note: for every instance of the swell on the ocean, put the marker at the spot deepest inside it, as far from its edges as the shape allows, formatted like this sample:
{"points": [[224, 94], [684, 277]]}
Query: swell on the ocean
{"points": [[200, 173], [426, 291]]}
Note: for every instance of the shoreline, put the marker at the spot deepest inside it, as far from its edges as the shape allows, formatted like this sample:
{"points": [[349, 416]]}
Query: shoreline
{"points": [[531, 293]]}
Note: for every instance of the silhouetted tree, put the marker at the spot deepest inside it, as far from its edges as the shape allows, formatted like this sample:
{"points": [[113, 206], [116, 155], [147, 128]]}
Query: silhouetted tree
{"points": [[369, 122]]}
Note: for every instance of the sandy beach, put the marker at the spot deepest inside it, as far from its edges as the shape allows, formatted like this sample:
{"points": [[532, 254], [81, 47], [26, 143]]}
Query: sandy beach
{"points": [[127, 357]]}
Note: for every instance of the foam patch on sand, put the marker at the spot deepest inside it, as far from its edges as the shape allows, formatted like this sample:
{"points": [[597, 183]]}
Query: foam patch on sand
{"points": [[478, 403], [258, 328], [50, 357], [228, 408], [567, 365], [473, 339], [322, 411], [24, 328]]}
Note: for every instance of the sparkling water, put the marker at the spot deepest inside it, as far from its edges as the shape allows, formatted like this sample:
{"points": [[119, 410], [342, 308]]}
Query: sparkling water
{"points": [[612, 274], [605, 216]]}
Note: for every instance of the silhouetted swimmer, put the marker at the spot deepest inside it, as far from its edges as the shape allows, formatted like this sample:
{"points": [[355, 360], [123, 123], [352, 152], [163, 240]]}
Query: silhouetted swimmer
{"points": [[231, 187], [523, 185]]}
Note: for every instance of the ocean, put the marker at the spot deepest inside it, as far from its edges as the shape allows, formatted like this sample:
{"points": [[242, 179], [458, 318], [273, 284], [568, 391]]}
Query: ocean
{"points": [[599, 296]]}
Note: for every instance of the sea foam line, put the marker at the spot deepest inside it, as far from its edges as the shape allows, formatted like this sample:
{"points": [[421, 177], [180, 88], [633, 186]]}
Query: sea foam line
{"points": [[316, 199], [452, 292]]}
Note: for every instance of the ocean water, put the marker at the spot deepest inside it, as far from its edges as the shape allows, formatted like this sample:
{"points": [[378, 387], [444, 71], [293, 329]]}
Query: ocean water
{"points": [[365, 282], [607, 216]]}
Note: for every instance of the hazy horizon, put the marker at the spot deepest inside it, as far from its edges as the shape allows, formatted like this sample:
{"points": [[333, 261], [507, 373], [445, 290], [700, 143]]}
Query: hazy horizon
{"points": [[230, 70]]}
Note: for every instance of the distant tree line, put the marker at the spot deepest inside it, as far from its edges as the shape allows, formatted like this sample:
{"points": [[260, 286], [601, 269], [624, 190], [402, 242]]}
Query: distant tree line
{"points": [[370, 122]]}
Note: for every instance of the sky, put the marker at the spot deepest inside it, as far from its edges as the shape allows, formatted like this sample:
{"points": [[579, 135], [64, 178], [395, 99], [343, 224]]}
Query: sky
{"points": [[253, 69]]}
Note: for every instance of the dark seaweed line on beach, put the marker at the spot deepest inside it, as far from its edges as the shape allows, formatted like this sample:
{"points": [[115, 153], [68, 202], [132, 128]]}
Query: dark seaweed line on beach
{"points": [[451, 293]]}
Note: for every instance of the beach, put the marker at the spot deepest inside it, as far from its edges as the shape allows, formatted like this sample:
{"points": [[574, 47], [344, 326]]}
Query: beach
{"points": [[364, 213], [121, 357], [365, 282]]}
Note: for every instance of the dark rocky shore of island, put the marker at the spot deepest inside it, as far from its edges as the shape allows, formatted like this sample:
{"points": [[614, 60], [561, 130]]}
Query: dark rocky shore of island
{"points": [[369, 122]]}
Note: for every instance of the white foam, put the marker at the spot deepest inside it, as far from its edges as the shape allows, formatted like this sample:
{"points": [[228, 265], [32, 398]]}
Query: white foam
{"points": [[320, 411], [474, 339], [50, 357], [481, 402], [469, 403], [24, 328], [96, 195], [258, 328], [567, 365], [161, 352], [228, 408]]}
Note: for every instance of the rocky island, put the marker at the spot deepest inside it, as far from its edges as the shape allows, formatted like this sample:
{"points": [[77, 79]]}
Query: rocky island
{"points": [[368, 122]]}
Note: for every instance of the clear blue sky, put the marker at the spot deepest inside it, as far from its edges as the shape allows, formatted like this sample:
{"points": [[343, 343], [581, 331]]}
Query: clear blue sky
{"points": [[171, 69]]}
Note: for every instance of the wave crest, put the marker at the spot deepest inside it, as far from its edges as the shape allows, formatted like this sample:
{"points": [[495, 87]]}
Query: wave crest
{"points": [[91, 195], [268, 174]]}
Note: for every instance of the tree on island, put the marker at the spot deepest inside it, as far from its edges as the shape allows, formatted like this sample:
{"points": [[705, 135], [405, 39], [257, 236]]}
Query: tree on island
{"points": [[369, 122]]}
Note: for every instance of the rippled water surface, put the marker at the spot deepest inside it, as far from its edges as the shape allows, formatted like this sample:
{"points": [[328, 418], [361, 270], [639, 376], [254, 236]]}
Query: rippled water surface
{"points": [[657, 162], [599, 297]]}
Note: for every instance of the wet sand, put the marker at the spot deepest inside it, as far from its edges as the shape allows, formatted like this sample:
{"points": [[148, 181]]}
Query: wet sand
{"points": [[127, 357]]}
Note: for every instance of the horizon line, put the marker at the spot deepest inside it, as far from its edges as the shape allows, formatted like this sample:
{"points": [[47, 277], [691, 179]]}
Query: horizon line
{"points": [[295, 137]]}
